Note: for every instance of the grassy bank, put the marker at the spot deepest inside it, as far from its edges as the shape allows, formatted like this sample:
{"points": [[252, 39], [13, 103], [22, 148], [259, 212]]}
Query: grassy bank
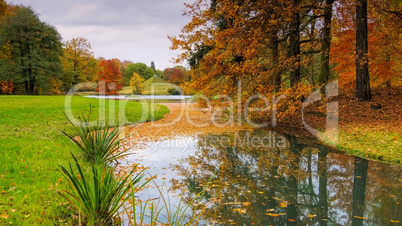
{"points": [[364, 131], [364, 142], [31, 146]]}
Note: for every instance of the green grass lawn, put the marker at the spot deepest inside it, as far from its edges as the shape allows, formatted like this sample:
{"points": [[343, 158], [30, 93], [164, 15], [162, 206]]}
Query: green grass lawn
{"points": [[31, 147]]}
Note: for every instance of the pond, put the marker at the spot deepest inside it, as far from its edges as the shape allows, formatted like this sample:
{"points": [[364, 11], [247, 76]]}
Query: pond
{"points": [[141, 97], [266, 178]]}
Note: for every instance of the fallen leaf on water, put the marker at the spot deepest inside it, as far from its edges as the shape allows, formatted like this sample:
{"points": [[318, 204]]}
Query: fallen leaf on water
{"points": [[246, 204], [275, 214], [363, 218]]}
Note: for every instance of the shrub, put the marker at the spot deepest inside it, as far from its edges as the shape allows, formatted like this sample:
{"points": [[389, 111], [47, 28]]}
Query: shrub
{"points": [[174, 91]]}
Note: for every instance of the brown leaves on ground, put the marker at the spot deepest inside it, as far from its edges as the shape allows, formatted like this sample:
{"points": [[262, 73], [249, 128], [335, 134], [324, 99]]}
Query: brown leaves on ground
{"points": [[354, 114], [183, 120]]}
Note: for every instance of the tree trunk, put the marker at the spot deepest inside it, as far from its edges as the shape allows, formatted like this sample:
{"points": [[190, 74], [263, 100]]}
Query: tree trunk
{"points": [[363, 92], [31, 82], [294, 40], [311, 55], [26, 85], [359, 190], [275, 62], [326, 43], [31, 85]]}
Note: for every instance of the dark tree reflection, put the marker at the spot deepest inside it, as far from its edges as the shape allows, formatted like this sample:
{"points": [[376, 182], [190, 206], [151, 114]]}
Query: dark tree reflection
{"points": [[299, 184]]}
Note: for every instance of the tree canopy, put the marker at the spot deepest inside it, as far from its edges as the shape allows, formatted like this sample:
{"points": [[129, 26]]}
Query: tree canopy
{"points": [[110, 77], [287, 47], [33, 49], [79, 63], [140, 68]]}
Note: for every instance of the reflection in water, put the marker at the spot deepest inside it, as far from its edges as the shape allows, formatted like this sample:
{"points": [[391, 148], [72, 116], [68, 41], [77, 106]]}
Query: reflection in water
{"points": [[288, 184]]}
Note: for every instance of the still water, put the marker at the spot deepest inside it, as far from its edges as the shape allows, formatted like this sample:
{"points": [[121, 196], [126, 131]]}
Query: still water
{"points": [[265, 178]]}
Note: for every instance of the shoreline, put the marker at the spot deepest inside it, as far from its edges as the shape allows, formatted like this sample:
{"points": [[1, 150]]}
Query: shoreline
{"points": [[185, 119]]}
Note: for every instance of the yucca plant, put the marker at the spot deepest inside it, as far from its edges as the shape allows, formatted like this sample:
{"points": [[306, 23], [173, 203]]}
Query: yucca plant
{"points": [[99, 144], [99, 196]]}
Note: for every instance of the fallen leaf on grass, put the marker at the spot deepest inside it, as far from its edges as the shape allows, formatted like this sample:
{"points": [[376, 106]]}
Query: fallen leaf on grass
{"points": [[4, 215]]}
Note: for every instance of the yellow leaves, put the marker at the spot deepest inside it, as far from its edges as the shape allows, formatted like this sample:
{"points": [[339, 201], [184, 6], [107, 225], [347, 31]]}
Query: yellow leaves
{"points": [[363, 218], [239, 210], [4, 215], [246, 204], [136, 83]]}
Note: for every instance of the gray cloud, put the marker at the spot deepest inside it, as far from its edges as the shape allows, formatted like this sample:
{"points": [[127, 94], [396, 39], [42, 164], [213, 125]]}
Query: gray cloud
{"points": [[133, 30]]}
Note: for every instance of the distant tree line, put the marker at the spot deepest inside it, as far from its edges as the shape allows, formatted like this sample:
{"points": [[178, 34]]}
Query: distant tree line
{"points": [[34, 60]]}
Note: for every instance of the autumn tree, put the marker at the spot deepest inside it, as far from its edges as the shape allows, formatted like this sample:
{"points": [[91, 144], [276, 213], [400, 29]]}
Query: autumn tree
{"points": [[3, 8], [256, 42], [136, 83], [110, 77], [294, 43], [383, 39], [265, 47], [34, 49], [326, 43], [176, 75], [79, 64]]}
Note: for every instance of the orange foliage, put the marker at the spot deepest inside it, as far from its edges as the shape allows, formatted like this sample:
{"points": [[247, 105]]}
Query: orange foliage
{"points": [[6, 87], [385, 46], [110, 77], [175, 75]]}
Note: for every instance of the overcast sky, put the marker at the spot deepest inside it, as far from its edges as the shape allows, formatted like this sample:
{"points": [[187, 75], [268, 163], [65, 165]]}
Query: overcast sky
{"points": [[133, 30]]}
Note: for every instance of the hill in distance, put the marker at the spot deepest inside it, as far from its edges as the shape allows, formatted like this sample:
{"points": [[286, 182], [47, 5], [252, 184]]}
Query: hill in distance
{"points": [[159, 85]]}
